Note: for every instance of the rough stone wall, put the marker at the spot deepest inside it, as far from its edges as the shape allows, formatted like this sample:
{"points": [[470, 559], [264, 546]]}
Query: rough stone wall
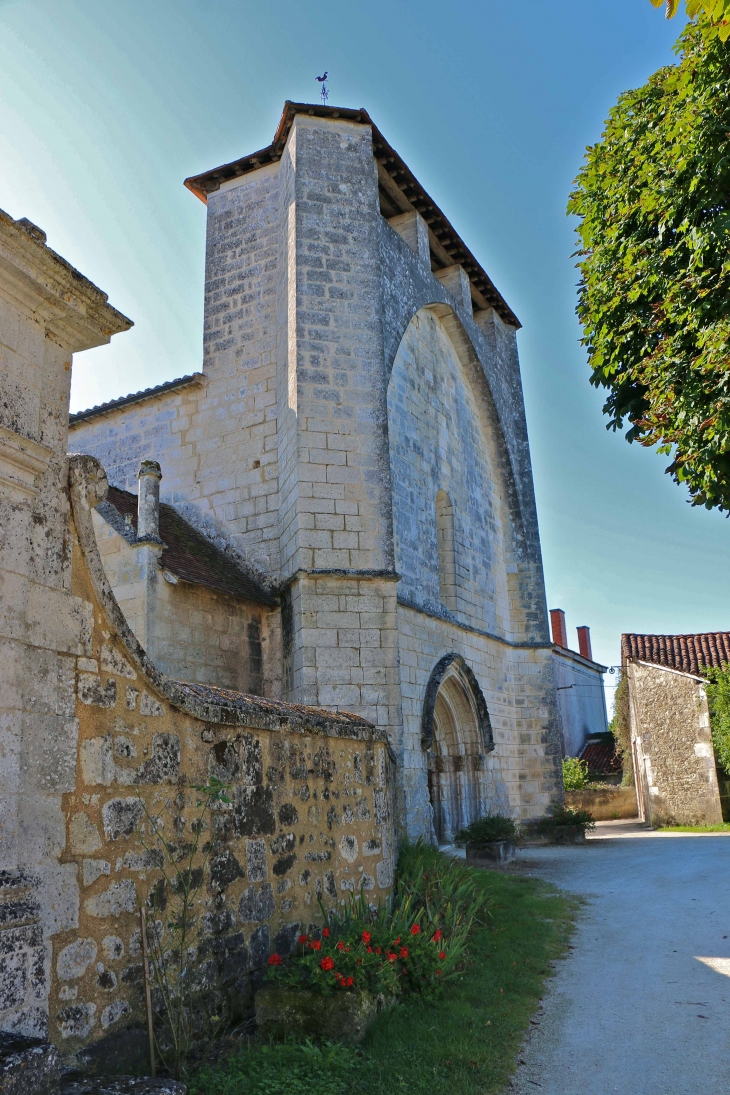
{"points": [[192, 633], [310, 817], [581, 700], [48, 311], [670, 732]]}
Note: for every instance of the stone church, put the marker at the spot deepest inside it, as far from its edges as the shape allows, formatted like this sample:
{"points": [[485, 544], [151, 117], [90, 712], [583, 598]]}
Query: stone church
{"points": [[338, 511]]}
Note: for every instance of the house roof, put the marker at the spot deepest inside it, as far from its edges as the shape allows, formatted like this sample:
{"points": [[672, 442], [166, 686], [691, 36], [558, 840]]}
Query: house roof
{"points": [[187, 554], [135, 397], [601, 756], [400, 192], [686, 653]]}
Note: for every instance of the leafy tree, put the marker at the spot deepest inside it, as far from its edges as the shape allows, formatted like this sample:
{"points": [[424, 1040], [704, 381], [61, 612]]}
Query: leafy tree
{"points": [[718, 701], [621, 730], [714, 14], [653, 201]]}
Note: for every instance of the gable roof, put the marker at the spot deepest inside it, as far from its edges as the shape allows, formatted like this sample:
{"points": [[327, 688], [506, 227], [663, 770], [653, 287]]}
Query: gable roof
{"points": [[187, 554], [400, 192], [686, 653], [136, 397]]}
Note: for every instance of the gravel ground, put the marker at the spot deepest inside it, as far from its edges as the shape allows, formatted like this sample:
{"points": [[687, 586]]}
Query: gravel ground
{"points": [[642, 1004]]}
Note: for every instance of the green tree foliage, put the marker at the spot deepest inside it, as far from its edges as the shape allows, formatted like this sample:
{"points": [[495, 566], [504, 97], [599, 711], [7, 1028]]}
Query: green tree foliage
{"points": [[718, 701], [619, 727], [575, 774], [653, 201], [714, 15]]}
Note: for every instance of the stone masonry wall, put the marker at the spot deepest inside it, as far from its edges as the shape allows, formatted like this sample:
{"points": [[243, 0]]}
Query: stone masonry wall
{"points": [[438, 442], [520, 774], [670, 729], [48, 311], [192, 633], [309, 818]]}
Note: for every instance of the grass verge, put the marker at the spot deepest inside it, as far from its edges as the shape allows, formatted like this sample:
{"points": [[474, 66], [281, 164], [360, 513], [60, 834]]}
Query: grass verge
{"points": [[723, 828], [464, 1043]]}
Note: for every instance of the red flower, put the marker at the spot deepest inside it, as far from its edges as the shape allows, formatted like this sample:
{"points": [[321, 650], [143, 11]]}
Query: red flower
{"points": [[350, 982], [442, 954], [396, 941], [438, 973], [316, 945], [415, 930], [403, 952], [366, 937], [347, 950], [274, 960], [327, 963], [370, 950], [377, 950], [302, 939], [437, 935], [326, 933], [359, 961], [391, 957], [340, 946]]}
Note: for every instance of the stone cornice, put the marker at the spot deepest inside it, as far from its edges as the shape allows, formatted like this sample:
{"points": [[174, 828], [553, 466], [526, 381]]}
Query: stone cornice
{"points": [[74, 312]]}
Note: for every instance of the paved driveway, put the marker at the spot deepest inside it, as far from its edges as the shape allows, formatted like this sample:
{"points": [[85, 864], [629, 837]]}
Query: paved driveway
{"points": [[642, 1005]]}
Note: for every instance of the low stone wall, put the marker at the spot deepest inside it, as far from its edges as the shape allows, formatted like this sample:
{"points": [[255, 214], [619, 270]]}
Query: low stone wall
{"points": [[309, 818], [606, 803]]}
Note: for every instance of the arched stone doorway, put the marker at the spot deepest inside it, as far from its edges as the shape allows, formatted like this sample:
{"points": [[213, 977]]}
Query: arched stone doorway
{"points": [[456, 735]]}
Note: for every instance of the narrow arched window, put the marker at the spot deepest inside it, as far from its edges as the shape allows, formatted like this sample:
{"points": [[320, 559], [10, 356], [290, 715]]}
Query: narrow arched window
{"points": [[446, 550]]}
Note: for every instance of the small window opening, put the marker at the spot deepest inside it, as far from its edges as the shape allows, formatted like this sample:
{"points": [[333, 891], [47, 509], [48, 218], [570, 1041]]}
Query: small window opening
{"points": [[446, 550]]}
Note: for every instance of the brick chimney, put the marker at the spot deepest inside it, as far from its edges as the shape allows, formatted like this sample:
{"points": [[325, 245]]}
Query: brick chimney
{"points": [[584, 642], [557, 626]]}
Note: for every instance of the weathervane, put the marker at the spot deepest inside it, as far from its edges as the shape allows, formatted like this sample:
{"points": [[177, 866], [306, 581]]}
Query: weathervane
{"points": [[324, 93]]}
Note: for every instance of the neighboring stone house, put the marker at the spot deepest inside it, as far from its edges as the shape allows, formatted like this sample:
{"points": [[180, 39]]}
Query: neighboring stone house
{"points": [[357, 438], [579, 683], [674, 761]]}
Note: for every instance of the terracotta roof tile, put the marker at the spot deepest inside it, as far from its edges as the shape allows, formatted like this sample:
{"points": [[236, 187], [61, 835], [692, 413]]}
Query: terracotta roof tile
{"points": [[687, 653], [191, 556], [601, 757]]}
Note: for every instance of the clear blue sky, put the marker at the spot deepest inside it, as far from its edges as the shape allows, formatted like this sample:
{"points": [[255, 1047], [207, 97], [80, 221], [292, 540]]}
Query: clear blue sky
{"points": [[106, 105]]}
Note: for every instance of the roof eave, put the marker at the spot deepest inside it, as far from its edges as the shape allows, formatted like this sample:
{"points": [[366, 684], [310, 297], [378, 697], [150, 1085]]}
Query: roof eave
{"points": [[439, 225]]}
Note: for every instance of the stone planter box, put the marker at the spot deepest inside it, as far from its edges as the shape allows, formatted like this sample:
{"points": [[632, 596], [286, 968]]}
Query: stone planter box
{"points": [[490, 853], [342, 1017], [566, 834]]}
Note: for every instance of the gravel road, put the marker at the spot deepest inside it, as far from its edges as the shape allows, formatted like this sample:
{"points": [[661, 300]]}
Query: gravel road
{"points": [[642, 1004]]}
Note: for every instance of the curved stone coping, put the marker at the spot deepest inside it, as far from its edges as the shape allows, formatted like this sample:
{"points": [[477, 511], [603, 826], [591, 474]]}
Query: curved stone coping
{"points": [[88, 487]]}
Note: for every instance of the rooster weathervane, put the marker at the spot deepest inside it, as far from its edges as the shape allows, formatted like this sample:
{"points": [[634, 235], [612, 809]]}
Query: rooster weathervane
{"points": [[323, 93]]}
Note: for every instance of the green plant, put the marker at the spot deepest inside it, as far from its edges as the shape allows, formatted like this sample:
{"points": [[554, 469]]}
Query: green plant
{"points": [[718, 701], [462, 1042], [171, 913], [486, 829], [413, 944], [567, 815], [621, 730], [575, 774], [653, 202]]}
